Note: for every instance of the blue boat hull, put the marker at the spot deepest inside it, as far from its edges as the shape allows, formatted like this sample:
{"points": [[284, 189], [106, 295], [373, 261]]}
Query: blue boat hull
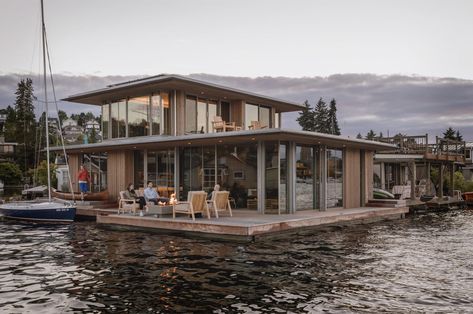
{"points": [[63, 214]]}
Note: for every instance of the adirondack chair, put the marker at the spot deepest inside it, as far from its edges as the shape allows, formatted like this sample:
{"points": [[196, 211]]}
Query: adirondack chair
{"points": [[220, 202], [256, 125], [219, 125], [127, 204], [196, 203]]}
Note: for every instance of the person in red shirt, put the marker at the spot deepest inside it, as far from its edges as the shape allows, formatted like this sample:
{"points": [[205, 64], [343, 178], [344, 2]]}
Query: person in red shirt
{"points": [[83, 178]]}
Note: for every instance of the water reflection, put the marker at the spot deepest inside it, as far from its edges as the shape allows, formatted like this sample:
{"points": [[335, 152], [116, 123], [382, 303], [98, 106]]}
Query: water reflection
{"points": [[419, 264]]}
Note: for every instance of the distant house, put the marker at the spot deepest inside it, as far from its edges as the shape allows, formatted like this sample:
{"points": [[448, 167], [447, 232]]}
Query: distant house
{"points": [[3, 118], [7, 150], [72, 133], [92, 124], [69, 122], [467, 170]]}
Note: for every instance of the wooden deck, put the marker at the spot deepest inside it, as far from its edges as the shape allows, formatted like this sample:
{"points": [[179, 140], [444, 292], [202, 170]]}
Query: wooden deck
{"points": [[248, 225]]}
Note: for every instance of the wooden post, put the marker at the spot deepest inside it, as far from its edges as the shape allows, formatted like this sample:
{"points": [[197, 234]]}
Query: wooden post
{"points": [[412, 178], [440, 192], [428, 186], [452, 175]]}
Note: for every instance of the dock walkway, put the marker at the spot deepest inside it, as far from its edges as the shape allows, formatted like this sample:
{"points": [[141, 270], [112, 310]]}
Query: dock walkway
{"points": [[248, 225]]}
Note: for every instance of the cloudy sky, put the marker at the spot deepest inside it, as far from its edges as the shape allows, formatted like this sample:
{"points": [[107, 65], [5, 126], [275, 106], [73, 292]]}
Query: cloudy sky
{"points": [[418, 54]]}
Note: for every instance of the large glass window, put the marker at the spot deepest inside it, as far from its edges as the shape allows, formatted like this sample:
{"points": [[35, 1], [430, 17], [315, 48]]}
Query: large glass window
{"points": [[225, 110], [96, 165], [265, 116], [251, 114], [212, 112], [105, 120], [283, 205], [155, 115], [138, 116], [191, 113], [139, 169], [191, 170], [201, 116], [304, 178], [271, 177], [166, 113], [161, 170], [334, 178], [118, 117]]}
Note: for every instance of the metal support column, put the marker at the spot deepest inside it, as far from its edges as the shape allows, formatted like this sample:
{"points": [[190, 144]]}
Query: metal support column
{"points": [[176, 172], [412, 178], [440, 192], [260, 177], [428, 186], [291, 178], [382, 174], [323, 178], [452, 176]]}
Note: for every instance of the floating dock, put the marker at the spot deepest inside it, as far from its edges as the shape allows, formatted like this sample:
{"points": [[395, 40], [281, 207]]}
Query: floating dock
{"points": [[247, 225]]}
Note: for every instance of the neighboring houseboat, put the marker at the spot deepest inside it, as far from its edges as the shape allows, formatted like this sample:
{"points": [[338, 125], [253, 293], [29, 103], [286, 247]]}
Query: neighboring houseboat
{"points": [[467, 170], [184, 134], [406, 170]]}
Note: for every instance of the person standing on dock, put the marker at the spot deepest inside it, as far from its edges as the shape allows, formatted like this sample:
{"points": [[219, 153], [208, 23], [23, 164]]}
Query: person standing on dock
{"points": [[83, 178]]}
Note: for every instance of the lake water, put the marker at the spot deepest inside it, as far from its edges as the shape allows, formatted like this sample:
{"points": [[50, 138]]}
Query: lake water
{"points": [[418, 264]]}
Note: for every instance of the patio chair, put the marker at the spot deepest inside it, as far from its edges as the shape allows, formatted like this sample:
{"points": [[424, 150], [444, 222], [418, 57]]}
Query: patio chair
{"points": [[219, 125], [127, 204], [196, 203], [256, 125], [220, 202]]}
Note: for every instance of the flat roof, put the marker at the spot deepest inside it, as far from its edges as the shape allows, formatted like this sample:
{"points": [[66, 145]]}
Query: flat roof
{"points": [[235, 137], [147, 85]]}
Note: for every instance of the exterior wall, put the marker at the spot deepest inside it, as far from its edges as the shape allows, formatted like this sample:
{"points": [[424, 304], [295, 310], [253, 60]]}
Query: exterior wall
{"points": [[352, 178], [237, 112], [180, 113], [119, 172], [74, 164], [369, 159]]}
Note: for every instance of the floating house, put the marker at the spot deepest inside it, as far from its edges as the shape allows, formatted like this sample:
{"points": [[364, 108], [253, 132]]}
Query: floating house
{"points": [[186, 135], [406, 170]]}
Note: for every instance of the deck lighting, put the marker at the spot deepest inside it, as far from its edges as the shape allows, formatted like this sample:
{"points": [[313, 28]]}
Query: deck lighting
{"points": [[188, 143], [252, 138], [220, 141]]}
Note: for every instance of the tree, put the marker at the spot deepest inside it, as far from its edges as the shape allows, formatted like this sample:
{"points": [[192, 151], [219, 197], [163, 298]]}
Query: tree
{"points": [[371, 135], [332, 118], [25, 123], [458, 136], [42, 172], [358, 136], [93, 136], [62, 116], [306, 117], [321, 117], [449, 134], [380, 134], [10, 173], [10, 125]]}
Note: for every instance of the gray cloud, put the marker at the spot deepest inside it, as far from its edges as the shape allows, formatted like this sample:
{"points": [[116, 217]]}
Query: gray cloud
{"points": [[394, 103]]}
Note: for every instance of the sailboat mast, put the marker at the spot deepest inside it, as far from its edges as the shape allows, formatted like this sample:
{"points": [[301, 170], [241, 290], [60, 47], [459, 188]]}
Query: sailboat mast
{"points": [[46, 100]]}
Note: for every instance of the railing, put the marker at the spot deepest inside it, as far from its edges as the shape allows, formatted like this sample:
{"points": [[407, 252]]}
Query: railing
{"points": [[419, 144]]}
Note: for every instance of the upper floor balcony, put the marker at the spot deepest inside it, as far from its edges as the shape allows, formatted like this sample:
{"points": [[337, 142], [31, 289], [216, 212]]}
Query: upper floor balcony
{"points": [[172, 105]]}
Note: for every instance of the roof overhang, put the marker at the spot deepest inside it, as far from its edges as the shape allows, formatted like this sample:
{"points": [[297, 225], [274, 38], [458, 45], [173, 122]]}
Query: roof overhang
{"points": [[236, 137], [149, 85], [397, 157]]}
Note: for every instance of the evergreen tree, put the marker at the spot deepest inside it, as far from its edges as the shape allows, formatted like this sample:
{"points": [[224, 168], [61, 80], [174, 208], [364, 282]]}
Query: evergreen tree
{"points": [[10, 125], [371, 135], [321, 117], [25, 123], [358, 136], [332, 118], [93, 136], [458, 136], [62, 116], [306, 117], [449, 134], [380, 134]]}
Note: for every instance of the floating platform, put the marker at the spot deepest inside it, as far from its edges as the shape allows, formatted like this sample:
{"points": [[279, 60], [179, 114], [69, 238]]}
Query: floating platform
{"points": [[247, 225]]}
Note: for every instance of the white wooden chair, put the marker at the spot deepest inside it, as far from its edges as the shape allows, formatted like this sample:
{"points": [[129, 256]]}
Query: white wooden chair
{"points": [[220, 202], [127, 204], [256, 125], [196, 203], [219, 125]]}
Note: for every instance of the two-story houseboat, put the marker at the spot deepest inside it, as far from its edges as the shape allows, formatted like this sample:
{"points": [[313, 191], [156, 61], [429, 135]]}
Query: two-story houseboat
{"points": [[184, 134]]}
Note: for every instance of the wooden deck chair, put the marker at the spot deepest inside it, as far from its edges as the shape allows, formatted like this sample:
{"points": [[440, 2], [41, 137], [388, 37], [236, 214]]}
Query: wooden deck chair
{"points": [[196, 203], [219, 125], [221, 202], [256, 125], [127, 204]]}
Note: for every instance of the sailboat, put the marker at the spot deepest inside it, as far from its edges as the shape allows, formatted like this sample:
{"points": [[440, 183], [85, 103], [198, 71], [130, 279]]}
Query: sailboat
{"points": [[50, 210]]}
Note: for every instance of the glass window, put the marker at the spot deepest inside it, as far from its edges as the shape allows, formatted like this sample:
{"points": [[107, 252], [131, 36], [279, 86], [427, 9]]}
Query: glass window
{"points": [[202, 116], [283, 178], [138, 116], [225, 111], [139, 169], [304, 178], [161, 170], [271, 176], [211, 114], [276, 120], [155, 115], [191, 170], [191, 113], [166, 113], [118, 117], [265, 116], [334, 178], [251, 114], [105, 120]]}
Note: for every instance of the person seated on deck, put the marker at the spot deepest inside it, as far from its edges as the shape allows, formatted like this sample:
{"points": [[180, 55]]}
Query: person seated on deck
{"points": [[151, 195], [131, 194]]}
